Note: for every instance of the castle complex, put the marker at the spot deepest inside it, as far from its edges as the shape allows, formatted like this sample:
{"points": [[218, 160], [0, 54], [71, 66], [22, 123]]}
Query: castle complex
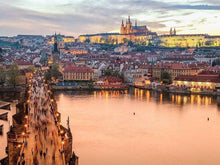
{"points": [[141, 35], [129, 29]]}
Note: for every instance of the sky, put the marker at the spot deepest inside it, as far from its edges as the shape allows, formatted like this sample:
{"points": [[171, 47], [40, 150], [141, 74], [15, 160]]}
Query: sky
{"points": [[76, 17]]}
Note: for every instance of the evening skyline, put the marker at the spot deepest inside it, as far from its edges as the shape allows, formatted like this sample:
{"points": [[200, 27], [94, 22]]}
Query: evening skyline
{"points": [[87, 17]]}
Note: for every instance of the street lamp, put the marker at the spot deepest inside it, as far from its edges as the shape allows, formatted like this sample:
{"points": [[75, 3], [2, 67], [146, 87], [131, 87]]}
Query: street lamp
{"points": [[23, 136]]}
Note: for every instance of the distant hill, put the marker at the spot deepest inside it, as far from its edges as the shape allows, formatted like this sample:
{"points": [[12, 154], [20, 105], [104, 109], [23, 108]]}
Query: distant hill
{"points": [[9, 44]]}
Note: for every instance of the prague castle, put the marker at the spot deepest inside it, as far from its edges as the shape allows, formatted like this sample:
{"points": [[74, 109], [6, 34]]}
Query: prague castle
{"points": [[129, 29], [141, 35], [138, 34]]}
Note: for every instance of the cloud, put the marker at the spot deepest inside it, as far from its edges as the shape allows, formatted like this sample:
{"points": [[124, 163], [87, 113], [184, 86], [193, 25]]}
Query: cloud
{"points": [[92, 16], [196, 7]]}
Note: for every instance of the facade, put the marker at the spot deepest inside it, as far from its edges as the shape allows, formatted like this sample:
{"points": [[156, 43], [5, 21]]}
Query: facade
{"points": [[128, 33], [73, 73], [129, 29], [174, 69], [189, 40], [141, 34], [198, 83], [65, 39]]}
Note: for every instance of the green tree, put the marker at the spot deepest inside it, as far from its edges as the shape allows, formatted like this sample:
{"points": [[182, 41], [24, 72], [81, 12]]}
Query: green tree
{"points": [[216, 62], [2, 76], [31, 69], [125, 41], [87, 40], [14, 75], [108, 72], [166, 78], [53, 72], [90, 84]]}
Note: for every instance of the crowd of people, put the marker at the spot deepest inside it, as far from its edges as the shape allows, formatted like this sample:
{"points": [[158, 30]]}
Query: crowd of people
{"points": [[44, 142]]}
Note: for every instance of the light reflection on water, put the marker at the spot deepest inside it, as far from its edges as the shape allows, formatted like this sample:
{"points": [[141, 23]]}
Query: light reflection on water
{"points": [[166, 128]]}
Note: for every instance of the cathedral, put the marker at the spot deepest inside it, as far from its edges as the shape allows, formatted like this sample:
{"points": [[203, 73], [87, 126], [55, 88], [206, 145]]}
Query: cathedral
{"points": [[129, 29]]}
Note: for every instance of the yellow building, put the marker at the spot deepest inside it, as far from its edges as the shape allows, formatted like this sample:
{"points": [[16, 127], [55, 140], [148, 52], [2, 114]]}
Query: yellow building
{"points": [[188, 40], [174, 70], [65, 39], [73, 73], [128, 33], [140, 34], [197, 83]]}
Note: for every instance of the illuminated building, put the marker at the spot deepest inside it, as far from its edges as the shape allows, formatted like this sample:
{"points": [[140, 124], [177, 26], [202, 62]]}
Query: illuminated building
{"points": [[196, 83], [65, 39], [174, 70], [138, 34], [73, 73], [188, 40], [141, 34]]}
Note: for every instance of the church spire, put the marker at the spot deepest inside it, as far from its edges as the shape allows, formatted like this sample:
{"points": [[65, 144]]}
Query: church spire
{"points": [[136, 23], [129, 20]]}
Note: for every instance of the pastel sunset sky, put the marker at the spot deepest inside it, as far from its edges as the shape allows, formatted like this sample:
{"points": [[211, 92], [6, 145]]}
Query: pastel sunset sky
{"points": [[75, 17]]}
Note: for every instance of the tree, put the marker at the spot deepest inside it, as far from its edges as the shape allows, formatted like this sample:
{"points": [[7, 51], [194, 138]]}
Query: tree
{"points": [[87, 40], [14, 75], [31, 69], [53, 73], [108, 72], [166, 78], [2, 76], [90, 84], [125, 41], [216, 62]]}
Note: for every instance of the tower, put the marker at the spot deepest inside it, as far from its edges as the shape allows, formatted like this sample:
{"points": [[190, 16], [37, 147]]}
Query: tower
{"points": [[128, 27], [122, 28], [171, 31], [135, 23], [55, 52], [174, 31]]}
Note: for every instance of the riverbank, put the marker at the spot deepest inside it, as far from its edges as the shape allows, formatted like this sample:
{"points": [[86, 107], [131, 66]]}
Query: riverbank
{"points": [[86, 88], [159, 88], [12, 88], [168, 89]]}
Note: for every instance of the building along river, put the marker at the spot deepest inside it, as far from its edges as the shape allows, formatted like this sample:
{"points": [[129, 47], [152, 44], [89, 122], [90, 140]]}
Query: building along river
{"points": [[138, 127]]}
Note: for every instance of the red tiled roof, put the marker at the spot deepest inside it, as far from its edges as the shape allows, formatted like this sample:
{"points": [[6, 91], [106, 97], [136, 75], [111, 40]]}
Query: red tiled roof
{"points": [[199, 78], [79, 69]]}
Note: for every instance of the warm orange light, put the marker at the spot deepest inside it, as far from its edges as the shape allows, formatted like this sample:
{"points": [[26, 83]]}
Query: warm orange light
{"points": [[25, 125], [51, 100], [62, 142], [26, 116], [19, 145], [61, 131], [57, 114], [28, 101], [23, 133]]}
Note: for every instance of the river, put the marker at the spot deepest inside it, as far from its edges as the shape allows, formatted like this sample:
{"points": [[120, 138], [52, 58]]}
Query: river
{"points": [[138, 127]]}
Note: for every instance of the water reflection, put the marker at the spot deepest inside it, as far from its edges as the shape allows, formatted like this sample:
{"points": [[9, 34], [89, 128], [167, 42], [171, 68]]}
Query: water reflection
{"points": [[162, 130], [149, 96]]}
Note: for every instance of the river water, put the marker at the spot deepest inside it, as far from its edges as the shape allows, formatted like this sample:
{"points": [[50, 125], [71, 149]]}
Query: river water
{"points": [[165, 129]]}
